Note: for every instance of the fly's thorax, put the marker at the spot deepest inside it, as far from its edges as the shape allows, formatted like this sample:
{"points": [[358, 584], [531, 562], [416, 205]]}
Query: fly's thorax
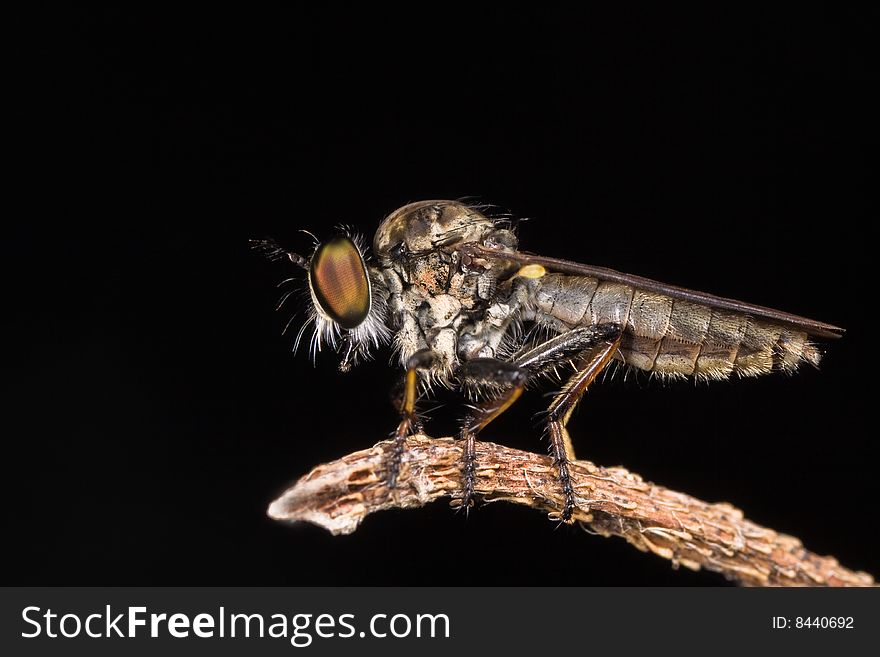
{"points": [[422, 243], [436, 287], [457, 318], [557, 302], [428, 225], [431, 321], [496, 330]]}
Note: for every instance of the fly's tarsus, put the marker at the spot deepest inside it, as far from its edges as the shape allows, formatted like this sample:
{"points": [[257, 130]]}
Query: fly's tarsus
{"points": [[468, 468]]}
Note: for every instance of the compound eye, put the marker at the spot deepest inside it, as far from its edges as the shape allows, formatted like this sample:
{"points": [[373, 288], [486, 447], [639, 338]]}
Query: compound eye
{"points": [[340, 283]]}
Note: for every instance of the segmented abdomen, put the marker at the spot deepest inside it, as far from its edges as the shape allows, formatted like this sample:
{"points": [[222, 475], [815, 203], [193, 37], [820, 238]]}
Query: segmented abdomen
{"points": [[670, 336]]}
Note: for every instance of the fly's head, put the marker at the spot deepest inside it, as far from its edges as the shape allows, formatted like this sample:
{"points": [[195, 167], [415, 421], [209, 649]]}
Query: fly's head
{"points": [[344, 298], [432, 245]]}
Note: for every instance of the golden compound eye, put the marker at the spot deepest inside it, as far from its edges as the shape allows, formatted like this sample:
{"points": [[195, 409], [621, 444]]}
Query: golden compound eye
{"points": [[340, 283]]}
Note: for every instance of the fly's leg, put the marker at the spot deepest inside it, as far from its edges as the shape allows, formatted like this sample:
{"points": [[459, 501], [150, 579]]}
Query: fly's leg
{"points": [[512, 378], [592, 362], [559, 349], [406, 404], [496, 374]]}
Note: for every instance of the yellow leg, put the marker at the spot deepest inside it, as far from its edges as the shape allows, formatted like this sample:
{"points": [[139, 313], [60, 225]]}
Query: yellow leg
{"points": [[407, 408]]}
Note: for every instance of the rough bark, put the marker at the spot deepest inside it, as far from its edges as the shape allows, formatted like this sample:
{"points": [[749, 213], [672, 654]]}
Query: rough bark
{"points": [[611, 501]]}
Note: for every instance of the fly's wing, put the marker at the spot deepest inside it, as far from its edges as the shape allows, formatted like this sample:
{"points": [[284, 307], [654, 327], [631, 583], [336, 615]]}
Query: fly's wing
{"points": [[810, 326]]}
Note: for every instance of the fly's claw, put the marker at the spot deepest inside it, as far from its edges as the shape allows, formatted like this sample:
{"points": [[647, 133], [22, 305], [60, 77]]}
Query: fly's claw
{"points": [[566, 515], [465, 500], [408, 426], [468, 481], [394, 461], [395, 458]]}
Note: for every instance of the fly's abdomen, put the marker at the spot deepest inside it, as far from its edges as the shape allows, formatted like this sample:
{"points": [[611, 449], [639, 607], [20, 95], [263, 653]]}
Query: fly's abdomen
{"points": [[709, 343], [569, 301], [672, 337]]}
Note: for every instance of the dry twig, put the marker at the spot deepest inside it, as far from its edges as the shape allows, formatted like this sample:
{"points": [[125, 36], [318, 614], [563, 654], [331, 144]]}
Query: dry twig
{"points": [[612, 502]]}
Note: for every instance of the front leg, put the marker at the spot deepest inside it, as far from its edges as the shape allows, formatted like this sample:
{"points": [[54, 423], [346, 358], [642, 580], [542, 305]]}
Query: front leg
{"points": [[406, 405]]}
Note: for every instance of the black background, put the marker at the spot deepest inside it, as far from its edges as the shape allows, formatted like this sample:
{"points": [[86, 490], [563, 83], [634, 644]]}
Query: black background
{"points": [[153, 406]]}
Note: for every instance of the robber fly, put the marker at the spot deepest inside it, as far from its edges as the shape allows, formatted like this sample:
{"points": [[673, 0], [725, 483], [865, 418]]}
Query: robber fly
{"points": [[465, 308]]}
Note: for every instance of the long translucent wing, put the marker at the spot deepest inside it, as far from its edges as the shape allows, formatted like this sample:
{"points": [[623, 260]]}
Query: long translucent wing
{"points": [[812, 327]]}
